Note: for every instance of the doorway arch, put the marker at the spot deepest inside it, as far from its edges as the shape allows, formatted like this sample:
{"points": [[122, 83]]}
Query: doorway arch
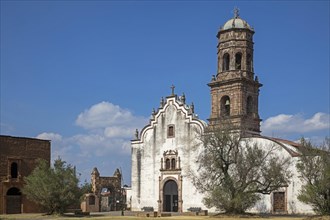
{"points": [[170, 196], [13, 201]]}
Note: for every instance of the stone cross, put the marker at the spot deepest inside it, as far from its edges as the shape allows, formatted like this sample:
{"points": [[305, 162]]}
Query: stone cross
{"points": [[172, 88]]}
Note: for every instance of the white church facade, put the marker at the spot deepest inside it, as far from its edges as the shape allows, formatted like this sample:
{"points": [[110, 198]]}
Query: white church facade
{"points": [[166, 150]]}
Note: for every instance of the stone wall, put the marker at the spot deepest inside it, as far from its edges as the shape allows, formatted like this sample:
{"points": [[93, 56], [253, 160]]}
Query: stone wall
{"points": [[106, 195], [18, 158]]}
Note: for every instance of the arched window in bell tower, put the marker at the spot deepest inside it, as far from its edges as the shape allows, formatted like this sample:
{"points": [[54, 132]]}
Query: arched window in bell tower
{"points": [[225, 106], [238, 61], [249, 105], [226, 61], [248, 62]]}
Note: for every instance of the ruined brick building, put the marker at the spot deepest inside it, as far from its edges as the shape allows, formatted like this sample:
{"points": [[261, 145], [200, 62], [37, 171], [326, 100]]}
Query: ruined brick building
{"points": [[106, 195], [166, 149], [18, 158]]}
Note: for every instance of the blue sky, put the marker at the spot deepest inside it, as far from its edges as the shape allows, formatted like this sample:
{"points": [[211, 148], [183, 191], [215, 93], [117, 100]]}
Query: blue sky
{"points": [[85, 74]]}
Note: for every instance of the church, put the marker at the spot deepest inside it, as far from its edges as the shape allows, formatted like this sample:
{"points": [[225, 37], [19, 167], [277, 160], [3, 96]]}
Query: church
{"points": [[166, 149]]}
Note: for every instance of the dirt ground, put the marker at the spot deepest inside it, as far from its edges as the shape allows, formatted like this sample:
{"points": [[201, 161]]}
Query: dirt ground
{"points": [[114, 216]]}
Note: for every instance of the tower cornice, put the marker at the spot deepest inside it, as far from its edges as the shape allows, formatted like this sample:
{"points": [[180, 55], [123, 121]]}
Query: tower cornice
{"points": [[219, 83], [235, 30]]}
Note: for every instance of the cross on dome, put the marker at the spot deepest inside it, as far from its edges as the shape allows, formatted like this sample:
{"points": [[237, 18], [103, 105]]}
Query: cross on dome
{"points": [[236, 12]]}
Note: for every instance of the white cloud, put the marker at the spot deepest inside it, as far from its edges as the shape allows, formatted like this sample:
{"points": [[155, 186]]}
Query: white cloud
{"points": [[106, 114], [283, 123], [50, 136], [108, 131], [60, 146], [319, 121], [122, 132], [109, 128]]}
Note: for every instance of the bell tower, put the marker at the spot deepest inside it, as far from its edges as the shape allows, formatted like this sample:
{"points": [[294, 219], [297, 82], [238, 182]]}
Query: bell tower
{"points": [[235, 89]]}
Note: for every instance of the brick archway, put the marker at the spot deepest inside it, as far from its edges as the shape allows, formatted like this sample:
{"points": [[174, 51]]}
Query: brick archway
{"points": [[13, 201]]}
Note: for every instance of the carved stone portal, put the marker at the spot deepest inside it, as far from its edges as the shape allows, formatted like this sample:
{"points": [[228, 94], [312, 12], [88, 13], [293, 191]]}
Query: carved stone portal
{"points": [[170, 183]]}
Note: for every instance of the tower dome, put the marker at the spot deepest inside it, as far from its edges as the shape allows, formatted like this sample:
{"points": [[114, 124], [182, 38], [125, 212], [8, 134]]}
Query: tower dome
{"points": [[236, 22]]}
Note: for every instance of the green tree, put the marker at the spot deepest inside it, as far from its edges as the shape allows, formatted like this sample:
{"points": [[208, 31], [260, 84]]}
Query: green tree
{"points": [[234, 171], [314, 169], [84, 189], [54, 188]]}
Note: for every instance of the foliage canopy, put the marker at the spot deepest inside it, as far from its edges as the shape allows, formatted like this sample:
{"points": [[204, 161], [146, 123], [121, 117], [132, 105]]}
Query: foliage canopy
{"points": [[314, 169], [235, 171], [54, 188]]}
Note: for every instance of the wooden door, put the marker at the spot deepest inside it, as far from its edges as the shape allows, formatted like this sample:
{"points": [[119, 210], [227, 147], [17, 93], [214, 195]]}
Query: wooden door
{"points": [[279, 202], [13, 204]]}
